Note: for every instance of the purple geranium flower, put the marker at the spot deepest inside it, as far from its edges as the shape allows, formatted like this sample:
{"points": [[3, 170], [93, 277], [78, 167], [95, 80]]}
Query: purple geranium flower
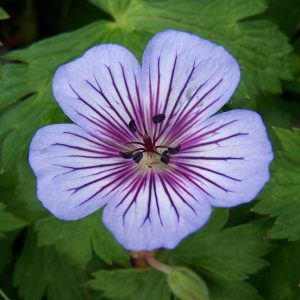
{"points": [[145, 145]]}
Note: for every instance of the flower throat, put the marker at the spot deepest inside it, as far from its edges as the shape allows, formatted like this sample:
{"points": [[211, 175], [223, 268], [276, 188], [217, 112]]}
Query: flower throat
{"points": [[149, 144]]}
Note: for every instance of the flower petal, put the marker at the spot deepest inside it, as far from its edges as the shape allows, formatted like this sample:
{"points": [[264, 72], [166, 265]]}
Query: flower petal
{"points": [[100, 91], [228, 155], [76, 172], [157, 212], [186, 77]]}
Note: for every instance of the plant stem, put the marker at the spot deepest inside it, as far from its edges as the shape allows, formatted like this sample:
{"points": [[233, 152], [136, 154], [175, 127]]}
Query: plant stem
{"points": [[154, 263]]}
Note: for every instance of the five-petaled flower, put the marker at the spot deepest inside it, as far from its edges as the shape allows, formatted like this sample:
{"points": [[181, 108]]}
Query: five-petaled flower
{"points": [[145, 145]]}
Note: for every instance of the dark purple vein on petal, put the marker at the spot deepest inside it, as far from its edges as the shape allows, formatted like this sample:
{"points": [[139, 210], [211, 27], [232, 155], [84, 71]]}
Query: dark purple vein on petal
{"points": [[97, 180], [82, 149], [209, 170], [119, 94], [156, 200], [179, 97], [196, 137], [138, 117], [99, 143], [200, 100], [140, 104], [147, 217], [100, 92], [190, 178], [112, 182], [106, 127], [206, 179], [170, 85], [217, 141], [179, 195], [169, 196]]}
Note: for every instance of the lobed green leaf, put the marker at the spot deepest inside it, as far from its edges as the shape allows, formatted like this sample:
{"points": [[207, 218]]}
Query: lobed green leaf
{"points": [[78, 240], [231, 254], [41, 271], [131, 284], [281, 197]]}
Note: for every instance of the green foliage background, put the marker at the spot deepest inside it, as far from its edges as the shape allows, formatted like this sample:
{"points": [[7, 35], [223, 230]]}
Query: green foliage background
{"points": [[251, 252]]}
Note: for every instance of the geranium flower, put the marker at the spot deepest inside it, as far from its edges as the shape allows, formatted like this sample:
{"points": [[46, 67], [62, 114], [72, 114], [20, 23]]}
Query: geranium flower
{"points": [[145, 145]]}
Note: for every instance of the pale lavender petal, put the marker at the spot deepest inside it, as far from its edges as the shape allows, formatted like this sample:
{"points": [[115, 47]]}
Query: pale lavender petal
{"points": [[158, 210], [76, 172], [228, 155], [100, 91], [186, 78], [144, 146]]}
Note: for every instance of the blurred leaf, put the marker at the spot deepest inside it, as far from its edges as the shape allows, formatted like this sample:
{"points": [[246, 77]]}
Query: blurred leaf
{"points": [[26, 99], [187, 285], [90, 235], [278, 12], [281, 280], [3, 14], [6, 254], [26, 202], [230, 254], [3, 296], [41, 271], [281, 197], [278, 112], [116, 8], [131, 284], [226, 290], [8, 221]]}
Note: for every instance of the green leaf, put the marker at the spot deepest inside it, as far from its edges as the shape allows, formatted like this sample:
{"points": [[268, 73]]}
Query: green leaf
{"points": [[131, 284], [281, 280], [186, 284], [78, 239], [26, 98], [25, 192], [3, 14], [281, 196], [41, 271], [8, 221], [2, 294], [116, 8], [225, 290], [278, 10], [232, 253], [6, 254]]}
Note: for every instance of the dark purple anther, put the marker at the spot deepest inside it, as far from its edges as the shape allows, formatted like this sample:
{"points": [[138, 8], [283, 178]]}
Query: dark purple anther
{"points": [[174, 150], [166, 153], [126, 155], [137, 157], [165, 159], [158, 118], [132, 126]]}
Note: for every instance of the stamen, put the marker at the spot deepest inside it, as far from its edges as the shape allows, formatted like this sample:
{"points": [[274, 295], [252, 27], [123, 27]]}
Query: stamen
{"points": [[126, 155], [137, 157], [158, 118], [132, 126], [174, 150], [166, 153], [165, 157], [165, 160]]}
